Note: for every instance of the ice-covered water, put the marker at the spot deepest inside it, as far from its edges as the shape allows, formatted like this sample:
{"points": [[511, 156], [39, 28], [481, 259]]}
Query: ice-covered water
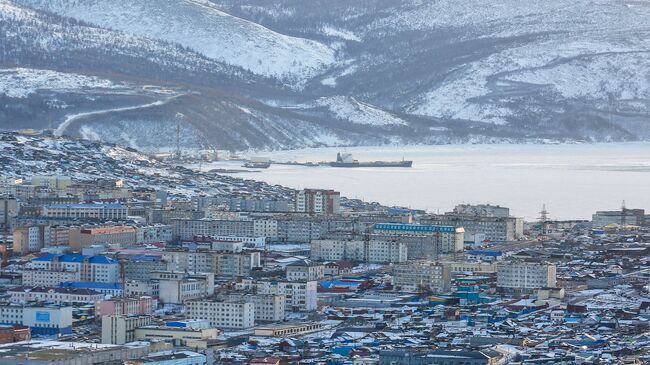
{"points": [[572, 180]]}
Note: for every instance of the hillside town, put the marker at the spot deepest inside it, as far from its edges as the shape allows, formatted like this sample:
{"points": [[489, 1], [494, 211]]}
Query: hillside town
{"points": [[109, 256]]}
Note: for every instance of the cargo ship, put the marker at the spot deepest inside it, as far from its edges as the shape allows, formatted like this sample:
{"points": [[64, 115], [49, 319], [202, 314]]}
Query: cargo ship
{"points": [[346, 160]]}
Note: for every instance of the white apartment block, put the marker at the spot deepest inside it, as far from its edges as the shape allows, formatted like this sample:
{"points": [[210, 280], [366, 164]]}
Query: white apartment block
{"points": [[268, 307], [265, 228], [120, 329], [222, 314], [48, 277], [375, 250], [525, 276], [305, 271], [418, 275], [186, 229], [300, 296]]}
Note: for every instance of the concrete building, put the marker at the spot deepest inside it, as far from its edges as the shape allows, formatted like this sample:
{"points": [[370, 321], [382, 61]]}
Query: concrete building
{"points": [[317, 201], [43, 320], [479, 228], [47, 352], [100, 269], [140, 267], [300, 296], [132, 306], [287, 330], [120, 329], [179, 287], [222, 314], [440, 239], [631, 217], [102, 212], [114, 235], [422, 275], [153, 233], [24, 294], [171, 358], [30, 239], [36, 277], [473, 267], [179, 336], [304, 270], [354, 248], [268, 307], [525, 276], [187, 229], [222, 264]]}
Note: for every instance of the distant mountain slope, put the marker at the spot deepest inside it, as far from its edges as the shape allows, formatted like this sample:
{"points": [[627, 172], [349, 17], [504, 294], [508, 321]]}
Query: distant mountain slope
{"points": [[199, 25], [294, 73]]}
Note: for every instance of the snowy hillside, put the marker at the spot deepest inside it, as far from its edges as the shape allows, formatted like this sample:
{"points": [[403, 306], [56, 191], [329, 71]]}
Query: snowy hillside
{"points": [[22, 82], [293, 73], [201, 26]]}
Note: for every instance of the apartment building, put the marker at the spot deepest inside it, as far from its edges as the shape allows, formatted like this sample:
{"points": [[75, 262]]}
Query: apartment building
{"points": [[100, 269], [34, 277], [525, 276], [318, 201], [132, 306], [355, 248], [268, 307], [304, 270], [222, 314], [300, 296], [187, 229], [422, 275], [102, 212], [120, 329], [436, 239]]}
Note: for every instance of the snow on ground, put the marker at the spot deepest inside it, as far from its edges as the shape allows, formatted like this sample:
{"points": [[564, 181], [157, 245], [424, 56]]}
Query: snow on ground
{"points": [[625, 75], [22, 82], [200, 25], [348, 108], [340, 33], [574, 68]]}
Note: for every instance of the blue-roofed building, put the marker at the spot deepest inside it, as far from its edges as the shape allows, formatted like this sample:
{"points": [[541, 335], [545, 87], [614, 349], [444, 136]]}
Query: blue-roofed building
{"points": [[102, 212], [114, 289], [42, 320], [99, 269], [488, 255]]}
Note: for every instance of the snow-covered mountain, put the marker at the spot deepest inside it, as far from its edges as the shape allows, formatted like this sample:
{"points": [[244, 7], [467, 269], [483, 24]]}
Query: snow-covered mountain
{"points": [[294, 73]]}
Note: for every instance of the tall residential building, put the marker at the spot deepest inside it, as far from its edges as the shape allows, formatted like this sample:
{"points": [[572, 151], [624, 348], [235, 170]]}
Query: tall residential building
{"points": [[525, 276], [120, 329], [422, 275], [318, 201], [301, 296], [439, 239], [222, 314], [187, 229], [268, 307], [30, 239], [375, 249], [304, 270]]}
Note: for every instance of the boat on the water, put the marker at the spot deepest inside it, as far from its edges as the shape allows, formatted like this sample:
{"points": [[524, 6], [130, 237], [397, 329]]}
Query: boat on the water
{"points": [[257, 165], [346, 160]]}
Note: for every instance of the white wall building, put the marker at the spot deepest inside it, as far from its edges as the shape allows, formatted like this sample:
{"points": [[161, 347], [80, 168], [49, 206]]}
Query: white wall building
{"points": [[525, 276], [222, 314]]}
